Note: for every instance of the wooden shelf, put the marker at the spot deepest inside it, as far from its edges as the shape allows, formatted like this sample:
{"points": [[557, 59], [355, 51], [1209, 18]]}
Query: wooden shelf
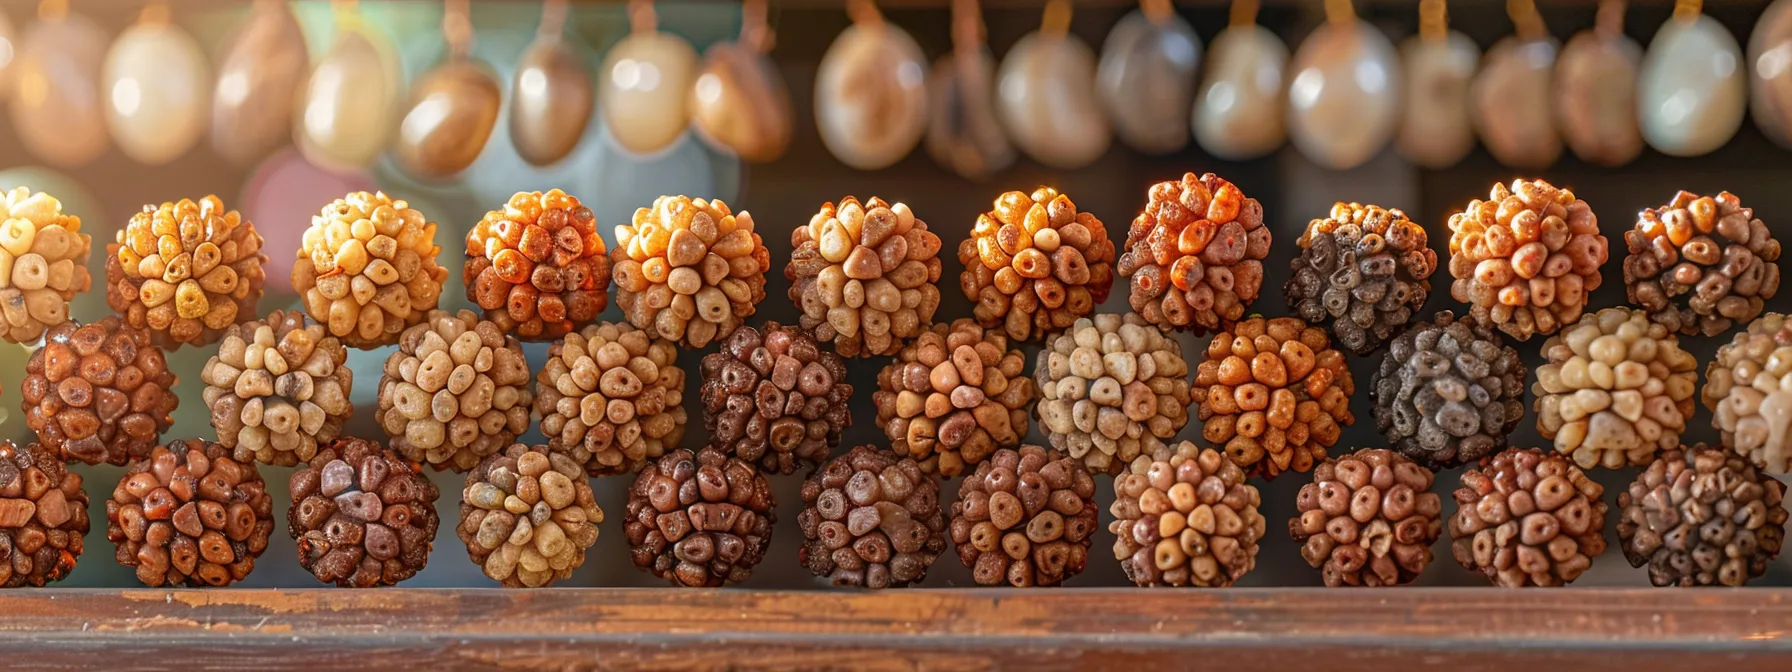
{"points": [[1114, 629]]}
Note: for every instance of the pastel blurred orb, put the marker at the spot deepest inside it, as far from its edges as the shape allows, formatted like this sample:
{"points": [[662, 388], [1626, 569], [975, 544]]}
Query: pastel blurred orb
{"points": [[157, 84], [1045, 96], [1510, 99], [56, 106], [1595, 97], [350, 102], [643, 88], [1147, 78], [1344, 94], [1238, 112], [1436, 131], [452, 112], [259, 76], [281, 196], [551, 97], [739, 103], [871, 96], [1691, 93]]}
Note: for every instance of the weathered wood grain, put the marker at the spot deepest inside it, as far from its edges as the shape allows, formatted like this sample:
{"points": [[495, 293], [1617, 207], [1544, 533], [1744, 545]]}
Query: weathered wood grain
{"points": [[1130, 630]]}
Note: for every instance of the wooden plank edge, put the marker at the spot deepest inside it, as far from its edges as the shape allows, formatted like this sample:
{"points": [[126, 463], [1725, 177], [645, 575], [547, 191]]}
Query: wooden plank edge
{"points": [[1461, 629]]}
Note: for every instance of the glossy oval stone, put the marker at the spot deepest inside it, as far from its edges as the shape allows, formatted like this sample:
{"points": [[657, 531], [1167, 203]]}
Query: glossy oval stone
{"points": [[551, 98], [1595, 98], [156, 81], [739, 103], [1343, 94], [963, 133], [351, 102], [871, 96], [1770, 72], [1238, 111], [1045, 96], [56, 99], [1691, 92], [260, 75], [1436, 131], [452, 112], [1510, 99], [1146, 81], [643, 87]]}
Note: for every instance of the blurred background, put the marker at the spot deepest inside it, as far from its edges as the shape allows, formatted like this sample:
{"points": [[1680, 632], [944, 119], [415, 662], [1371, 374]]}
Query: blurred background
{"points": [[114, 104]]}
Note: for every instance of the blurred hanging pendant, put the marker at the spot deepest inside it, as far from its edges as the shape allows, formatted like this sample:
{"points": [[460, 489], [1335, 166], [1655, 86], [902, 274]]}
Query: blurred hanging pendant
{"points": [[1690, 93], [644, 84], [962, 131], [157, 86], [1770, 72], [551, 95], [1343, 91], [1595, 91], [1511, 95], [351, 99], [1150, 63], [258, 79], [739, 103], [871, 92], [1436, 131], [453, 107], [1045, 94], [1238, 112], [9, 49], [56, 103]]}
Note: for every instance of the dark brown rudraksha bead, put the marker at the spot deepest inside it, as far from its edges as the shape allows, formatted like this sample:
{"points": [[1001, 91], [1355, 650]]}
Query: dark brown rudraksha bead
{"points": [[1700, 264], [1025, 518], [361, 515], [1702, 516], [1526, 517], [98, 393], [699, 520], [871, 519], [1368, 519], [43, 516], [190, 515], [775, 398], [1363, 270]]}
